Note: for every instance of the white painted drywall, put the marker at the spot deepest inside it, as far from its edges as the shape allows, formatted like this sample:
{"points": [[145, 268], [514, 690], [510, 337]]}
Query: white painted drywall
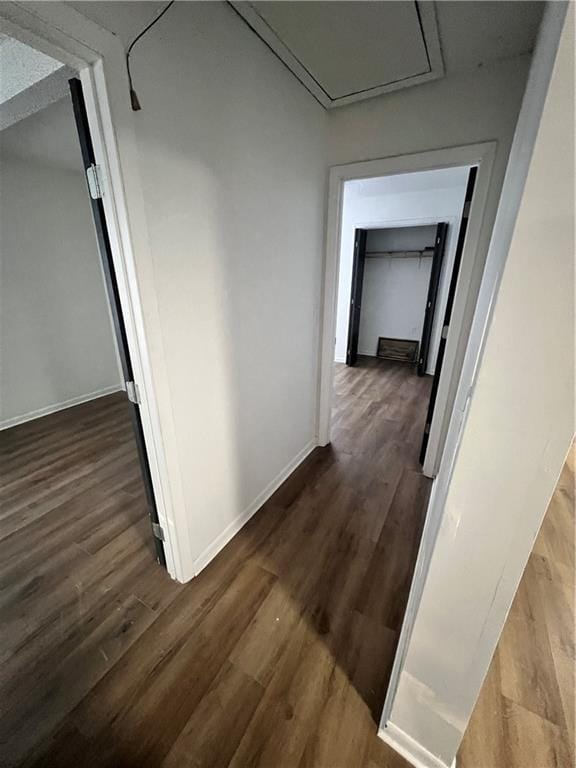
{"points": [[233, 163], [56, 345], [47, 138], [395, 289], [519, 427], [463, 108], [398, 201]]}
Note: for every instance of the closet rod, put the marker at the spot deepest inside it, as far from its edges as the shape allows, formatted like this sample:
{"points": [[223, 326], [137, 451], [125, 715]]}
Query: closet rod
{"points": [[426, 252]]}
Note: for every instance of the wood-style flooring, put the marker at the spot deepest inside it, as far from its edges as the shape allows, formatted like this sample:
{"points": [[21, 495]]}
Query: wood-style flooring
{"points": [[78, 581], [277, 654], [524, 717]]}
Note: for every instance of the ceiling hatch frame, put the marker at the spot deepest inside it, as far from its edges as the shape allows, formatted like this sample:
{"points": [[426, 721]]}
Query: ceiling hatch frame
{"points": [[429, 29]]}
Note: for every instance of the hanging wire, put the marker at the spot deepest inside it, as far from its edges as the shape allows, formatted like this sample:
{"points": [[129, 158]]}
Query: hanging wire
{"points": [[133, 97]]}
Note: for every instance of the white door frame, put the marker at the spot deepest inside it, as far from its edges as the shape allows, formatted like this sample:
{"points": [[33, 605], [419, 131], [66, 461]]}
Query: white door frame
{"points": [[98, 56], [481, 155]]}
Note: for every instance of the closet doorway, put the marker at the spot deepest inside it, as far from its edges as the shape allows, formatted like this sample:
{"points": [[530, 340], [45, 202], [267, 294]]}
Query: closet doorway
{"points": [[396, 276], [403, 267], [412, 196]]}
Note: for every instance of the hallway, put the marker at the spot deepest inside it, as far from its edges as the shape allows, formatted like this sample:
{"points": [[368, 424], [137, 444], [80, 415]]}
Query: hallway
{"points": [[263, 189], [277, 654]]}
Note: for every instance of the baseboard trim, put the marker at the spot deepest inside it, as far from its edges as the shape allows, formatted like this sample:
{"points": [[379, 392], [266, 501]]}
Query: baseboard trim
{"points": [[411, 750], [232, 529], [47, 410]]}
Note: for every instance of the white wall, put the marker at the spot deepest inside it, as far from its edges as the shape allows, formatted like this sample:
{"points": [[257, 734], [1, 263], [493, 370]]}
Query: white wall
{"points": [[232, 156], [406, 200], [519, 428], [395, 289], [56, 339]]}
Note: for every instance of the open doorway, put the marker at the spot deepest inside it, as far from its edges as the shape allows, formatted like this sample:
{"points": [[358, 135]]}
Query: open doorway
{"points": [[403, 255], [79, 534], [64, 336], [78, 517], [81, 549], [65, 350], [401, 250], [400, 253]]}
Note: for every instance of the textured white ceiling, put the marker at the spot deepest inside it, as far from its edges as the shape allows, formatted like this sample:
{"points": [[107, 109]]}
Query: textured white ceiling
{"points": [[38, 96], [476, 32], [124, 18], [21, 67]]}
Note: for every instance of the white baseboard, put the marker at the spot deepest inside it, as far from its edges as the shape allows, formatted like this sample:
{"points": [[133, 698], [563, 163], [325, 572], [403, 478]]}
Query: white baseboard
{"points": [[411, 750], [37, 414], [231, 530], [364, 354]]}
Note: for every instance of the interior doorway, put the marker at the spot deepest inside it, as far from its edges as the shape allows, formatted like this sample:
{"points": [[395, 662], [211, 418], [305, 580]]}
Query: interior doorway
{"points": [[396, 287], [400, 247], [70, 406], [378, 410], [82, 568], [402, 287]]}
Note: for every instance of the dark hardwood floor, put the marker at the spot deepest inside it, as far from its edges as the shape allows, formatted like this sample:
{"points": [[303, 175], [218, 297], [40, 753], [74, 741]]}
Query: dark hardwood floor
{"points": [[277, 654]]}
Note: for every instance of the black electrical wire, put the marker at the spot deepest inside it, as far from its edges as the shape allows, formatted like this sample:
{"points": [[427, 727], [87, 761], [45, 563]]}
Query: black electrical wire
{"points": [[133, 97]]}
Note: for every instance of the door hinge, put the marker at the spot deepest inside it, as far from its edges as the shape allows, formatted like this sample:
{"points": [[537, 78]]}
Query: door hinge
{"points": [[94, 179], [466, 209], [132, 392], [158, 531], [445, 329], [427, 429]]}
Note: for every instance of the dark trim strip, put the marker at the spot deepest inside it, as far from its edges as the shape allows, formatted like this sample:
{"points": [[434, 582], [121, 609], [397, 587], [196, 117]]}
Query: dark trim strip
{"points": [[449, 305], [423, 35]]}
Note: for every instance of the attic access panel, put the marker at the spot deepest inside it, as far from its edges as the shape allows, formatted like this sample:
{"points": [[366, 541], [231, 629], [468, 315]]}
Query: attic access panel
{"points": [[348, 51]]}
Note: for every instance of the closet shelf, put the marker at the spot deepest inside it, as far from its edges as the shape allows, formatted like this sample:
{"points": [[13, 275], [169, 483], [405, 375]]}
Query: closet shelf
{"points": [[425, 252]]}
